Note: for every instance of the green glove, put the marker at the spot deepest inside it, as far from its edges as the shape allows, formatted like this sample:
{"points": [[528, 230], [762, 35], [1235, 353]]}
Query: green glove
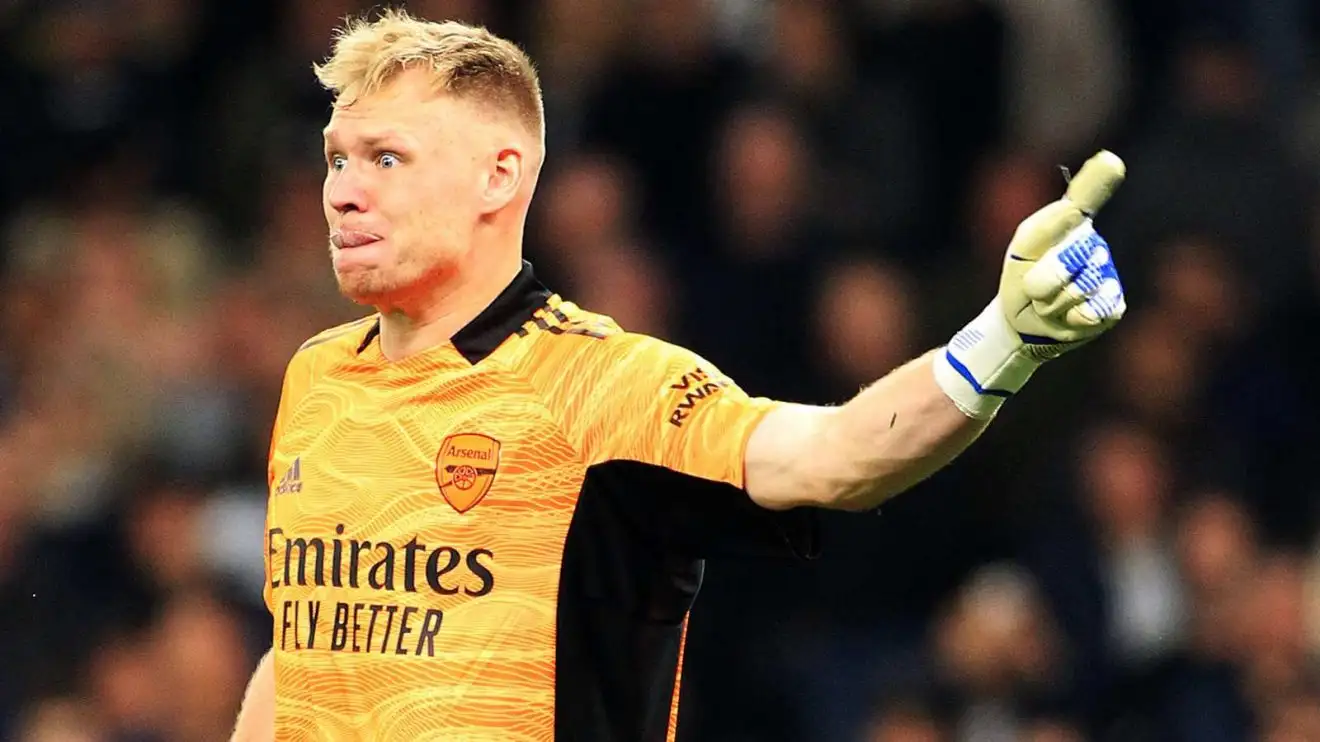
{"points": [[1059, 290]]}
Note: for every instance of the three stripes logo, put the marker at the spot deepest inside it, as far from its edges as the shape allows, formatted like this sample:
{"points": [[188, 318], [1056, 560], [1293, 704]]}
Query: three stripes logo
{"points": [[291, 482]]}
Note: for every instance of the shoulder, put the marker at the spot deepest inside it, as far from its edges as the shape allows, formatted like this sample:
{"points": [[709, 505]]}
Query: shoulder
{"points": [[576, 355], [349, 334], [573, 340], [323, 350]]}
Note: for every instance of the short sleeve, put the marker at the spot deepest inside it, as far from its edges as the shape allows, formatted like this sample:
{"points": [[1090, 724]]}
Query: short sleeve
{"points": [[667, 426], [658, 403]]}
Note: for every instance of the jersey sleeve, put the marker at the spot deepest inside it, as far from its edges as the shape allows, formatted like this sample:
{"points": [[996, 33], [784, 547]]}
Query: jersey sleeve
{"points": [[661, 404], [660, 422]]}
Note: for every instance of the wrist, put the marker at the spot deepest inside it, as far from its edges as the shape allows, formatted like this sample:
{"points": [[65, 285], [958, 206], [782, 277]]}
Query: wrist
{"points": [[984, 364]]}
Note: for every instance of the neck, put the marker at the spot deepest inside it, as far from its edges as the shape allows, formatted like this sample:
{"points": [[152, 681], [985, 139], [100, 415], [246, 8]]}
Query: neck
{"points": [[450, 306]]}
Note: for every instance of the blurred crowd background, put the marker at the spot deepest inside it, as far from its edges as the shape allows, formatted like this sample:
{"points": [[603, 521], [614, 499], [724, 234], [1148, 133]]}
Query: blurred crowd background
{"points": [[806, 192]]}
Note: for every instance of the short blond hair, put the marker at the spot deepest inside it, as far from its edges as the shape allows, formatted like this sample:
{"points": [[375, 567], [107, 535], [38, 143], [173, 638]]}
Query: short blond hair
{"points": [[465, 60]]}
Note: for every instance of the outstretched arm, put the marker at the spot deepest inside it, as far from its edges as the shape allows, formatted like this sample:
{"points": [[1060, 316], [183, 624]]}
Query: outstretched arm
{"points": [[895, 433], [1058, 291]]}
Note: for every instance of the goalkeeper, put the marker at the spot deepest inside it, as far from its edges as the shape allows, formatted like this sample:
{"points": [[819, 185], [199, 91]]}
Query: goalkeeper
{"points": [[488, 506]]}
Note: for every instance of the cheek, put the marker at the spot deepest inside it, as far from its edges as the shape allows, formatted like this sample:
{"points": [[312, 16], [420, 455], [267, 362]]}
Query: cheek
{"points": [[462, 181], [449, 202]]}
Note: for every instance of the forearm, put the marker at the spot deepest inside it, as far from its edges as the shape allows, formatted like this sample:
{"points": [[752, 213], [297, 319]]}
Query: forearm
{"points": [[891, 436], [256, 719]]}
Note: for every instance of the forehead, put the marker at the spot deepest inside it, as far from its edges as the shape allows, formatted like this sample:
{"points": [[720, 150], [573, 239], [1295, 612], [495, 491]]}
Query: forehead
{"points": [[407, 104]]}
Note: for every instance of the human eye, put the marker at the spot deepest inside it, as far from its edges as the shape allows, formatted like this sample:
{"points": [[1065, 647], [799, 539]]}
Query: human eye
{"points": [[389, 160], [337, 162]]}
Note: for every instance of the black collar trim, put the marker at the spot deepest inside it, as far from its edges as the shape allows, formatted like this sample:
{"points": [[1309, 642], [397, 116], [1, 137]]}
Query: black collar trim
{"points": [[515, 305]]}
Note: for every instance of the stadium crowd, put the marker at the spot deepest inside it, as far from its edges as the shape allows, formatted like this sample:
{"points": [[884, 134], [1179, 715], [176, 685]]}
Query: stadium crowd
{"points": [[808, 193]]}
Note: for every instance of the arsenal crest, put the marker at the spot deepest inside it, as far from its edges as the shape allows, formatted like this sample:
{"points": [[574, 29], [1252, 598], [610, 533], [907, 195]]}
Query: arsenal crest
{"points": [[465, 468]]}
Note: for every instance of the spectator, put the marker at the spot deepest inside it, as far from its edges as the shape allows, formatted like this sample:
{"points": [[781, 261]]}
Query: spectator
{"points": [[999, 655]]}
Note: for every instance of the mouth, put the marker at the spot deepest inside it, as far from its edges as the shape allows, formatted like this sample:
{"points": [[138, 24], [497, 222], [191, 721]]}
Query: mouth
{"points": [[346, 239]]}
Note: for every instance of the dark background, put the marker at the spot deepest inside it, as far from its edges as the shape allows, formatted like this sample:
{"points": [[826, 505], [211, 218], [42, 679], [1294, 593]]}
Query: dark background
{"points": [[808, 194]]}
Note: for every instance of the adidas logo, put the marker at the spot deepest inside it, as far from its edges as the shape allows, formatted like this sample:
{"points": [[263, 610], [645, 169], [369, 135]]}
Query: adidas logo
{"points": [[291, 482]]}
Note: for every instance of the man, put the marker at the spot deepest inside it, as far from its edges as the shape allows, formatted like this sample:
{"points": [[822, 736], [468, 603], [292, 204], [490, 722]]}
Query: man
{"points": [[489, 507]]}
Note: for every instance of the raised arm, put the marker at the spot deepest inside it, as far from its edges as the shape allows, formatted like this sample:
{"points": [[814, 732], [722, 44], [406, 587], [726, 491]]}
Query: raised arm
{"points": [[1059, 289]]}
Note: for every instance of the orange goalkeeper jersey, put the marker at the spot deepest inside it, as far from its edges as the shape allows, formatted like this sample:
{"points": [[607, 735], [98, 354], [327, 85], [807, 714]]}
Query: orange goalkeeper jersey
{"points": [[500, 538]]}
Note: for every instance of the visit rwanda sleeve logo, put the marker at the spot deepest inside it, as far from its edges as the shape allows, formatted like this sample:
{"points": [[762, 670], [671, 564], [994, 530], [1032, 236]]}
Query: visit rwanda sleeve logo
{"points": [[690, 389], [465, 468]]}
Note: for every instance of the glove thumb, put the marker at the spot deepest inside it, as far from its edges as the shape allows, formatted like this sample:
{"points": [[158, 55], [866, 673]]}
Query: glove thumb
{"points": [[1087, 192], [1096, 182]]}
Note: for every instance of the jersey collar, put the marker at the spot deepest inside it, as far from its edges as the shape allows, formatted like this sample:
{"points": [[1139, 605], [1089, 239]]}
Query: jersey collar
{"points": [[516, 304]]}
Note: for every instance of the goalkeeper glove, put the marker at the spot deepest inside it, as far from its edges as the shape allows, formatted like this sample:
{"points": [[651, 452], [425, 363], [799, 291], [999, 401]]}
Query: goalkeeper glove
{"points": [[1059, 290]]}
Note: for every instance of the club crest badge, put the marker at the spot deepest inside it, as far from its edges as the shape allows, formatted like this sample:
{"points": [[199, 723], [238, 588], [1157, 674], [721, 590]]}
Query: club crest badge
{"points": [[465, 468]]}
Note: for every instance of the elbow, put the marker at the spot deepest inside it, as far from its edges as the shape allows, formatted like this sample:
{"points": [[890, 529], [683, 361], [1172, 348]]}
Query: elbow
{"points": [[794, 490], [872, 492], [860, 497], [858, 505], [822, 488]]}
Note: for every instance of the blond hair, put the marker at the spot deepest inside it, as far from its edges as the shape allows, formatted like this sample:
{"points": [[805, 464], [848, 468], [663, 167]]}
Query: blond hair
{"points": [[466, 61]]}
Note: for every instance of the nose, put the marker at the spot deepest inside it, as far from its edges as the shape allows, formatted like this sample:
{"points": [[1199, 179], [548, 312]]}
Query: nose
{"points": [[344, 191]]}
